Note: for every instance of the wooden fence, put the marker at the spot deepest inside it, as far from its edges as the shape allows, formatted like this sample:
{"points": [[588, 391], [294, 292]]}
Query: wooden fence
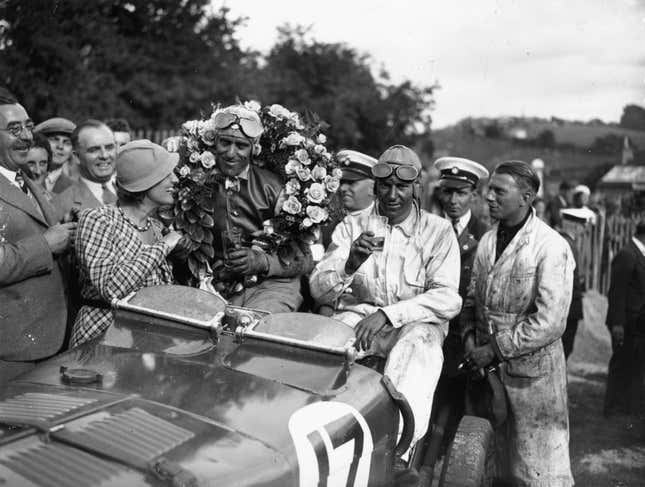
{"points": [[598, 244], [156, 136]]}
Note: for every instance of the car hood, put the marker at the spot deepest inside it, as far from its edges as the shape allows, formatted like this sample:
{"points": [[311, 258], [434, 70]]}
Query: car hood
{"points": [[92, 437]]}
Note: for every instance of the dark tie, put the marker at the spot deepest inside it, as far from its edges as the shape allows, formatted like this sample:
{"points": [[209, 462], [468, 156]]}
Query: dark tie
{"points": [[20, 179], [455, 222], [108, 196]]}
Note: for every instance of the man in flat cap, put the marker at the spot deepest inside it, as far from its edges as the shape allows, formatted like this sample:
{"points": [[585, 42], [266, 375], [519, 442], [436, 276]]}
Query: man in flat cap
{"points": [[63, 172], [399, 291], [458, 180]]}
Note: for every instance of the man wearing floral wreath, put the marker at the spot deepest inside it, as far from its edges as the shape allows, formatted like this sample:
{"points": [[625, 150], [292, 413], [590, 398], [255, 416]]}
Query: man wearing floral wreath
{"points": [[398, 297], [245, 198]]}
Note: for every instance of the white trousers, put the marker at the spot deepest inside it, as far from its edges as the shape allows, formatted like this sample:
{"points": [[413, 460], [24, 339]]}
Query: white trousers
{"points": [[413, 365]]}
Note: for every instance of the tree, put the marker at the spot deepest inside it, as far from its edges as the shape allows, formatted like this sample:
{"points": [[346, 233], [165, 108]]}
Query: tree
{"points": [[363, 111], [154, 62], [633, 117]]}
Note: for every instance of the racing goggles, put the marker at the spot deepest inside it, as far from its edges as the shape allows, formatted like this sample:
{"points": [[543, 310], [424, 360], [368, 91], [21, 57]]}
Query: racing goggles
{"points": [[249, 126], [404, 173]]}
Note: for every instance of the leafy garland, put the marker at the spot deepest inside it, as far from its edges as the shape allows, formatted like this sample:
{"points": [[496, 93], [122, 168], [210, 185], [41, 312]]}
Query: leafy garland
{"points": [[290, 147]]}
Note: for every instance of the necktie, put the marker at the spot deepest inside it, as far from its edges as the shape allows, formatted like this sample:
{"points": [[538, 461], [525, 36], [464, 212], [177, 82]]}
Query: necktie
{"points": [[20, 179], [455, 222], [108, 196]]}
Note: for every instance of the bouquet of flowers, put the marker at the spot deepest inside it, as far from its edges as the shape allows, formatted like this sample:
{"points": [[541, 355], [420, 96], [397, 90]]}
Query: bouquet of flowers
{"points": [[290, 146]]}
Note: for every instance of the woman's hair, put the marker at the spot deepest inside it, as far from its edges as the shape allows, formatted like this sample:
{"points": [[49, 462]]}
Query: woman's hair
{"points": [[131, 197], [41, 142], [523, 174]]}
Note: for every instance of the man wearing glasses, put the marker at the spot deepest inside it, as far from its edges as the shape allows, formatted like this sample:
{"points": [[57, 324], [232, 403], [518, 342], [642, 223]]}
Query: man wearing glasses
{"points": [[393, 275], [245, 198], [32, 300]]}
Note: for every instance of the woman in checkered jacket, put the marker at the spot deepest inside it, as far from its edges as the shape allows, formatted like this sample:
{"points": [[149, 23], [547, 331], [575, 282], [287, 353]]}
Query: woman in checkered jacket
{"points": [[122, 248]]}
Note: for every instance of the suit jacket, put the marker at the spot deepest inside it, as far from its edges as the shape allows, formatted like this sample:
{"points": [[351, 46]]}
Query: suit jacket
{"points": [[33, 309], [77, 195], [627, 291], [62, 183], [468, 240]]}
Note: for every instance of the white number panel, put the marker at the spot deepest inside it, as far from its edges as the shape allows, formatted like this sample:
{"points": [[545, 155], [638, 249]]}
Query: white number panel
{"points": [[333, 443]]}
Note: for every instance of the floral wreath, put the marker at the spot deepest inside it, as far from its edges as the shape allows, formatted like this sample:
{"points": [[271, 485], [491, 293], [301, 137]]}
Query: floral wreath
{"points": [[289, 146]]}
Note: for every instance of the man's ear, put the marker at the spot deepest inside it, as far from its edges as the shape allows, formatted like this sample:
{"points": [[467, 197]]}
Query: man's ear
{"points": [[527, 198]]}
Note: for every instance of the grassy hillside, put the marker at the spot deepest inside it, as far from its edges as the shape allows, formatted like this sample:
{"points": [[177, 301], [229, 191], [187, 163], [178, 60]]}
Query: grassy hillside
{"points": [[570, 159]]}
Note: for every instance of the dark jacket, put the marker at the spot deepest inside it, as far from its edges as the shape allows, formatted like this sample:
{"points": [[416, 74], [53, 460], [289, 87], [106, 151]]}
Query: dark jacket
{"points": [[627, 291], [33, 308], [468, 240]]}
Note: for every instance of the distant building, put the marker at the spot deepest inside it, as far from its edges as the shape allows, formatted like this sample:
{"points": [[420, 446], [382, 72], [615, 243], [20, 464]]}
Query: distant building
{"points": [[621, 179]]}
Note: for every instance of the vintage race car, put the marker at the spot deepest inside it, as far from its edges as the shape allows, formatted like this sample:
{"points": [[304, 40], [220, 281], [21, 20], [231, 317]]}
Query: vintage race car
{"points": [[184, 390]]}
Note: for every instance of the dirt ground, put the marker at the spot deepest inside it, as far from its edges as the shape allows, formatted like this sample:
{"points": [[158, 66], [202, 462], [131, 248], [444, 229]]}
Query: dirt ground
{"points": [[604, 452]]}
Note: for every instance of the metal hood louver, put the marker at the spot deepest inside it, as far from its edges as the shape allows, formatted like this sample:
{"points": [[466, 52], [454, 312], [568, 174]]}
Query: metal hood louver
{"points": [[134, 434], [39, 407], [56, 465]]}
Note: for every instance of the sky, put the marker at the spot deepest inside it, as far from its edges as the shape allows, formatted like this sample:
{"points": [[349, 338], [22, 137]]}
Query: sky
{"points": [[574, 59]]}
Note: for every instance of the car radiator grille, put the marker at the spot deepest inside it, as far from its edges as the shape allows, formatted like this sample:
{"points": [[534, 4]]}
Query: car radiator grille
{"points": [[39, 406], [135, 432], [56, 465]]}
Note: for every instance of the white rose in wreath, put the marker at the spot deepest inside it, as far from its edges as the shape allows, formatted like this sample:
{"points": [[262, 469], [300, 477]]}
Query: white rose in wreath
{"points": [[316, 193], [208, 159], [184, 171], [292, 166], [293, 139], [332, 184], [191, 126], [303, 156], [319, 149], [316, 213], [318, 172], [307, 222], [337, 173], [292, 186], [194, 157], [252, 105], [292, 205], [304, 173], [321, 139], [278, 111]]}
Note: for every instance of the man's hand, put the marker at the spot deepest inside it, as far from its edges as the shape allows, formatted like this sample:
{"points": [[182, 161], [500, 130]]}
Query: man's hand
{"points": [[617, 336], [60, 237], [360, 250], [480, 357], [469, 342], [247, 262], [369, 327]]}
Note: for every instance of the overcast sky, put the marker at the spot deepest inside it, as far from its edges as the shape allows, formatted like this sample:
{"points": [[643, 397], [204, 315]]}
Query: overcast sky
{"points": [[575, 59]]}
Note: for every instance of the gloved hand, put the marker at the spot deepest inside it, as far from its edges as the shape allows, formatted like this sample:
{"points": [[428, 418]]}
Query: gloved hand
{"points": [[247, 262]]}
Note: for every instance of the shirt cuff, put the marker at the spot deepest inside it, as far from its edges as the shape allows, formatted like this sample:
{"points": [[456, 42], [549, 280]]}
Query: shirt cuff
{"points": [[395, 313], [502, 345]]}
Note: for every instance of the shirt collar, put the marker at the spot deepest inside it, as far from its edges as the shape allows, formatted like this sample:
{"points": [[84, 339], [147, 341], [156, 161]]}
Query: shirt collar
{"points": [[408, 225], [639, 245], [53, 176], [96, 186], [462, 222], [10, 175]]}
